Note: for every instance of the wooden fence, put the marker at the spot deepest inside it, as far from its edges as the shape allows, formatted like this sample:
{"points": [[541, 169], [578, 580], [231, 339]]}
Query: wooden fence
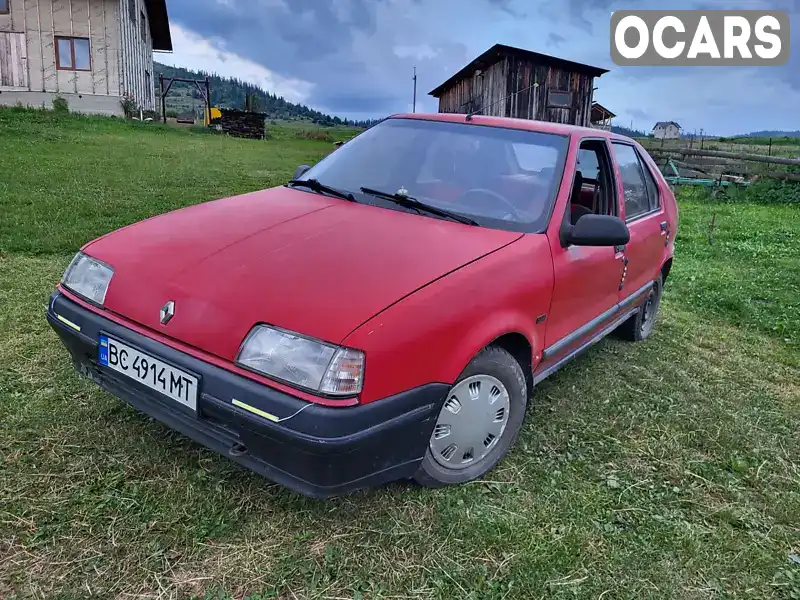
{"points": [[717, 165]]}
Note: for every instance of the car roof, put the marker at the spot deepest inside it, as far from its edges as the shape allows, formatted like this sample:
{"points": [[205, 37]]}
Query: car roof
{"points": [[508, 123]]}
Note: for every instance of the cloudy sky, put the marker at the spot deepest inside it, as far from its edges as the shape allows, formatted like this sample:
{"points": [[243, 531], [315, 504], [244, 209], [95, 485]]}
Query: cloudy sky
{"points": [[354, 58]]}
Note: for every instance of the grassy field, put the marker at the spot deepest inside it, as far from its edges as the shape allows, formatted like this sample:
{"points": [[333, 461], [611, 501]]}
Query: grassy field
{"points": [[668, 469], [785, 147]]}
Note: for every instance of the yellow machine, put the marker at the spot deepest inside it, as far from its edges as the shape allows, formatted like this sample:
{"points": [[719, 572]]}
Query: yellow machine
{"points": [[215, 114]]}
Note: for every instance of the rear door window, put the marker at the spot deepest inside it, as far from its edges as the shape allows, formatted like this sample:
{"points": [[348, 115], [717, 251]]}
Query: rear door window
{"points": [[633, 181]]}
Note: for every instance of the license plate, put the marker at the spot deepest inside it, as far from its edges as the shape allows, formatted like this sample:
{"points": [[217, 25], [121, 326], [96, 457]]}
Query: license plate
{"points": [[149, 371]]}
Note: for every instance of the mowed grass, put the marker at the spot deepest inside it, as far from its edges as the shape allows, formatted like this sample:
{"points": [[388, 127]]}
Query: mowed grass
{"points": [[67, 180], [668, 469]]}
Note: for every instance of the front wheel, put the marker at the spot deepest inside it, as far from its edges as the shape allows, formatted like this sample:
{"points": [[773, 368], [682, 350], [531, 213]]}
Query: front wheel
{"points": [[640, 325], [479, 421]]}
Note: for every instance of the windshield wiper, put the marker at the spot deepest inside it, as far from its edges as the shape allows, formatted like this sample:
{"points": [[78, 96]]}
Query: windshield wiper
{"points": [[315, 186], [411, 202]]}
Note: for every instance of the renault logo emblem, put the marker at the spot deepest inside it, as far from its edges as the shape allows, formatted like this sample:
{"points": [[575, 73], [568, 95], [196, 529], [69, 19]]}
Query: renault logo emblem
{"points": [[167, 312]]}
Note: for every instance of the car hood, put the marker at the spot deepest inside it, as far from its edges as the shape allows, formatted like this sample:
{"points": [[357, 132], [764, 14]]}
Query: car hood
{"points": [[315, 265]]}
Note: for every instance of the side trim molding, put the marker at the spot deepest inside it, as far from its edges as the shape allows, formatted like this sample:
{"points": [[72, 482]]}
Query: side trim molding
{"points": [[582, 331], [580, 349], [636, 296]]}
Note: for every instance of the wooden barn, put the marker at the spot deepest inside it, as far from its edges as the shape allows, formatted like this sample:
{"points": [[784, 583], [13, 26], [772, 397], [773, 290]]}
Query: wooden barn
{"points": [[511, 82]]}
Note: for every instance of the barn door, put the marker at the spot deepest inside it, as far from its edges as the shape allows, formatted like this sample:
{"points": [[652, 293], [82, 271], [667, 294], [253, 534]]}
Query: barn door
{"points": [[13, 60]]}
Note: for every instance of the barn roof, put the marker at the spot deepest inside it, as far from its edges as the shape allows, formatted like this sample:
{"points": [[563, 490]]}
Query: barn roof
{"points": [[159, 25], [499, 51]]}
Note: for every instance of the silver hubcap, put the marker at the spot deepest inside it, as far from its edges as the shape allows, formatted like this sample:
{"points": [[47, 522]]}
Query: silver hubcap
{"points": [[471, 422]]}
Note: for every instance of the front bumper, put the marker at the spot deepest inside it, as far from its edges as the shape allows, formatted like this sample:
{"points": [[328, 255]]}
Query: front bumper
{"points": [[320, 452]]}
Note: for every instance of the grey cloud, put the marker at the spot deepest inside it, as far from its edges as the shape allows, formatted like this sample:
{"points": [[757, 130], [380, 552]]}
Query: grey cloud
{"points": [[637, 113], [555, 40], [594, 16], [346, 48], [509, 7]]}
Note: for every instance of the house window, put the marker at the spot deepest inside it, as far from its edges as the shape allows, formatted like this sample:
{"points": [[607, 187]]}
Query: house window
{"points": [[4, 7], [72, 54], [148, 85], [132, 10], [143, 26], [559, 99]]}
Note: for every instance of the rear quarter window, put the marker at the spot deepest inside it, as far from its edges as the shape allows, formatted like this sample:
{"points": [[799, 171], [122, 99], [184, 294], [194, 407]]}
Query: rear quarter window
{"points": [[653, 194]]}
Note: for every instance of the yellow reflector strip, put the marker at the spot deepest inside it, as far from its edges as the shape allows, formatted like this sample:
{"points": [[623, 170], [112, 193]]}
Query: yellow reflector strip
{"points": [[255, 411], [69, 323]]}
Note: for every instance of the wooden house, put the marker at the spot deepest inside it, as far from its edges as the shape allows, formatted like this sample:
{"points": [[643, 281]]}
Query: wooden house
{"points": [[93, 53], [511, 82], [601, 117]]}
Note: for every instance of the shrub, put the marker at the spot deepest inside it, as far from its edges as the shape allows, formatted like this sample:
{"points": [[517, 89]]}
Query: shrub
{"points": [[129, 105], [314, 134], [60, 104], [773, 191]]}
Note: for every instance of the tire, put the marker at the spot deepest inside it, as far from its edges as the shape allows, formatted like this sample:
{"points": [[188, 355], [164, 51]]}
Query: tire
{"points": [[478, 420], [640, 325]]}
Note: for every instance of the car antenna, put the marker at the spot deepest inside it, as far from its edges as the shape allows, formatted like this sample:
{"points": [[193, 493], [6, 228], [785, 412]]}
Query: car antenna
{"points": [[481, 109]]}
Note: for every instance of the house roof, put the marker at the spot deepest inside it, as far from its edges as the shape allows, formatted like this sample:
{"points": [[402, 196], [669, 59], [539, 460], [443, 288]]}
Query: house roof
{"points": [[159, 25], [499, 51], [600, 112], [666, 124]]}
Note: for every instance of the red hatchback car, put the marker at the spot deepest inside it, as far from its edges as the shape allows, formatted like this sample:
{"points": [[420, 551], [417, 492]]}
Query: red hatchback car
{"points": [[387, 313]]}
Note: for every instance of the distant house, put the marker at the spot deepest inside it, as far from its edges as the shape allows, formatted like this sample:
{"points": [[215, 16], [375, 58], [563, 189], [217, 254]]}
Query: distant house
{"points": [[667, 130], [91, 52], [512, 82]]}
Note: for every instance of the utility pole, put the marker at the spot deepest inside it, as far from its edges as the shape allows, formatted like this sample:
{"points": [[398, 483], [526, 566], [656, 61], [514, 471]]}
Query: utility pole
{"points": [[163, 98], [701, 138], [414, 109]]}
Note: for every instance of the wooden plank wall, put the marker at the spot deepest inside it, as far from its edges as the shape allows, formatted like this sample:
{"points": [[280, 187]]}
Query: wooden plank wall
{"points": [[136, 53], [38, 22], [533, 103], [13, 60], [475, 92], [513, 78]]}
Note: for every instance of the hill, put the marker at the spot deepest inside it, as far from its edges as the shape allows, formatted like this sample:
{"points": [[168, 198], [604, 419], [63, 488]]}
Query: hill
{"points": [[767, 134], [229, 92], [633, 133]]}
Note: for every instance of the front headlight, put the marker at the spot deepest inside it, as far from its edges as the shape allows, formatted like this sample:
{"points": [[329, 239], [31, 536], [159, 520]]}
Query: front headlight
{"points": [[304, 362], [88, 277]]}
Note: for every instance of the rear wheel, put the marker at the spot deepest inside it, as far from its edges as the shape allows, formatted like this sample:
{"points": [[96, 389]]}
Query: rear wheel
{"points": [[640, 325], [479, 421]]}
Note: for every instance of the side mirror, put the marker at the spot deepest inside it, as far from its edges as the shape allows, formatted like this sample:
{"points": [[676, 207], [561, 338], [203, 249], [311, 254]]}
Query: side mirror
{"points": [[598, 230], [299, 171]]}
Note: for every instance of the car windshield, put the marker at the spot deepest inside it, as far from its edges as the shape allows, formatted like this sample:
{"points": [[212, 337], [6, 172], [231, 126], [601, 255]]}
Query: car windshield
{"points": [[502, 178]]}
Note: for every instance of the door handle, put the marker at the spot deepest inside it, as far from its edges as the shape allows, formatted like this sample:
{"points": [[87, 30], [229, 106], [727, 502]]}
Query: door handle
{"points": [[664, 226], [619, 249]]}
